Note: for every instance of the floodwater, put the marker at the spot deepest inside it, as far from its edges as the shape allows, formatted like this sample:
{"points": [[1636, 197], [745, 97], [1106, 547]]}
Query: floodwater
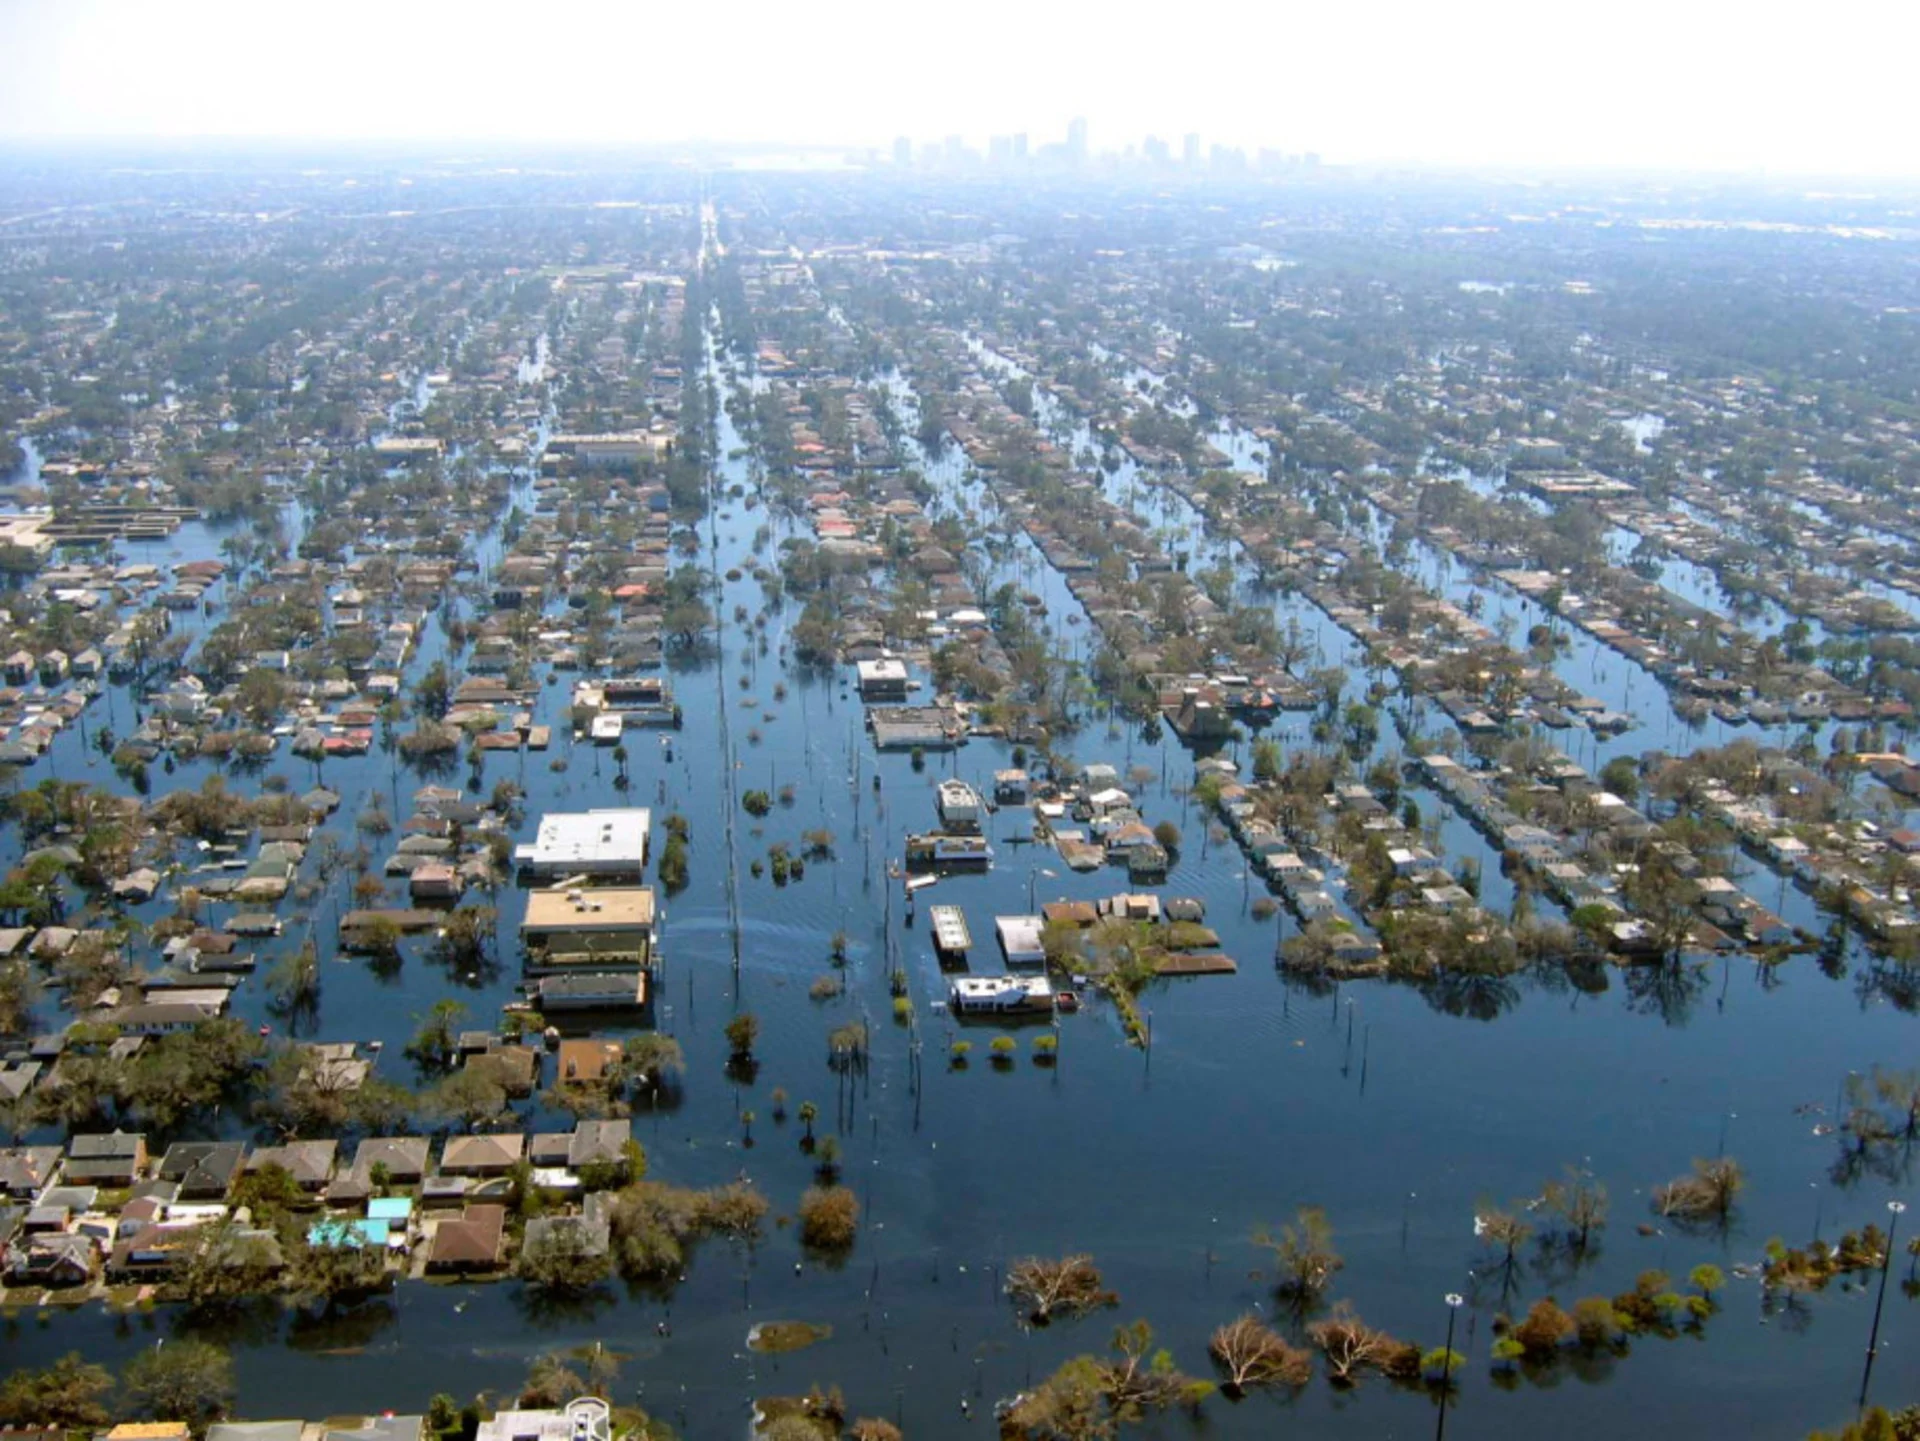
{"points": [[1396, 1108]]}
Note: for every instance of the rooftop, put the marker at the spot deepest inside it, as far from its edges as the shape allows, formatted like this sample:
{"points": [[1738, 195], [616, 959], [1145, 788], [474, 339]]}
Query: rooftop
{"points": [[597, 841], [605, 908]]}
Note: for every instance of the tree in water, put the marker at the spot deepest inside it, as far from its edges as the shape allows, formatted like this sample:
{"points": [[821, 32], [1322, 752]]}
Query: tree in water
{"points": [[829, 1217], [1304, 1258], [741, 1032], [1352, 1347], [1071, 1285], [1250, 1353], [180, 1380], [1705, 1195], [1544, 1330], [1092, 1396], [1579, 1203], [562, 1258], [433, 1047], [69, 1395]]}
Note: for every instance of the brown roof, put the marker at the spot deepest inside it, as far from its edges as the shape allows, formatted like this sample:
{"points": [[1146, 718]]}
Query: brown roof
{"points": [[482, 1153], [1078, 913], [471, 1241], [587, 1060], [515, 1068]]}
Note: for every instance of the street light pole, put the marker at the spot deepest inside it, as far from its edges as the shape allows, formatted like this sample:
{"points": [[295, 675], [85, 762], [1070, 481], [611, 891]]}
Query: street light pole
{"points": [[1894, 1211], [1454, 1300]]}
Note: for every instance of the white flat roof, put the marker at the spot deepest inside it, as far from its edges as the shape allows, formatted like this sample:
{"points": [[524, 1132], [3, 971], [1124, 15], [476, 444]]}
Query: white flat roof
{"points": [[598, 840], [1020, 935]]}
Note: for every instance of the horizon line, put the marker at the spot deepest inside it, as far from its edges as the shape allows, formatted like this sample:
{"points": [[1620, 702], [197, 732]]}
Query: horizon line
{"points": [[873, 157]]}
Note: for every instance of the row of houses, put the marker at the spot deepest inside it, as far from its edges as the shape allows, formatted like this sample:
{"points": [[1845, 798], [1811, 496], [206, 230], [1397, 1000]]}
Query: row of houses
{"points": [[103, 1206], [1855, 863], [586, 1418], [1310, 883]]}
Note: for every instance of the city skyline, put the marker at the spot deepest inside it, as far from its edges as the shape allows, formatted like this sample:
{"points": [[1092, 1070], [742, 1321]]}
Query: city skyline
{"points": [[1076, 151]]}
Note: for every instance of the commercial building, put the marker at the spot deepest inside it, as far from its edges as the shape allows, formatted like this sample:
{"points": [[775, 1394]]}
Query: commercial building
{"points": [[1021, 940], [611, 448], [609, 843], [587, 1418], [409, 447], [610, 928]]}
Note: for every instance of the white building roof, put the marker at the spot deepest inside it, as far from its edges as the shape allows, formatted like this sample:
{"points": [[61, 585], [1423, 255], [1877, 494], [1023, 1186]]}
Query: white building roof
{"points": [[589, 841], [1020, 937]]}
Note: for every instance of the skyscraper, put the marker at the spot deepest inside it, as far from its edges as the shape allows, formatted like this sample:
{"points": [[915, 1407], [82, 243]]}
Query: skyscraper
{"points": [[903, 152], [1077, 140], [1190, 151]]}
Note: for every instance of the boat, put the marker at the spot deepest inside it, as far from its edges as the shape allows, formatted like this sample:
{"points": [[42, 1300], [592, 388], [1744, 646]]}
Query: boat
{"points": [[1066, 1000], [940, 849], [999, 995]]}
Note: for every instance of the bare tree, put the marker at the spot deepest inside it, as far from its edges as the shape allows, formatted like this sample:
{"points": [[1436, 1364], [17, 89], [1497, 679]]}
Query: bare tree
{"points": [[1252, 1354], [1580, 1203], [1705, 1195], [1072, 1285], [1352, 1346], [1502, 1230]]}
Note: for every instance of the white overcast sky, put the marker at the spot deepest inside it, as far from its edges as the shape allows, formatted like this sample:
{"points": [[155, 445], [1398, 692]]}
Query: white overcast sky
{"points": [[1819, 86]]}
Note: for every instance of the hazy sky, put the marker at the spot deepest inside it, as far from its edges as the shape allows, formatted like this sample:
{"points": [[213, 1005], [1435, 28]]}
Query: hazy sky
{"points": [[1803, 87]]}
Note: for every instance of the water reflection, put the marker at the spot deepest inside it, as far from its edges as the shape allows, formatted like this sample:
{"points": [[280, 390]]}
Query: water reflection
{"points": [[336, 1330], [1668, 989], [1558, 1258], [1889, 1163], [1892, 981], [545, 1307], [254, 1321], [1474, 995]]}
